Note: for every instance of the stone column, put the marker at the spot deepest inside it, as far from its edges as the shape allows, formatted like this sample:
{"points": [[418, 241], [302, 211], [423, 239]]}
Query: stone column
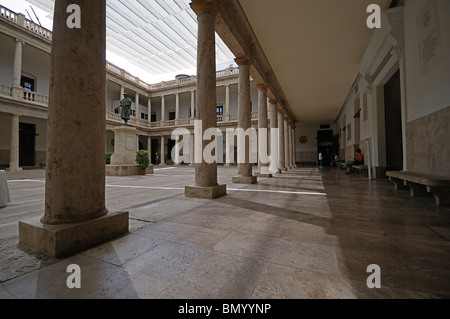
{"points": [[163, 111], [192, 107], [17, 63], [263, 163], [14, 149], [286, 143], [75, 215], [227, 103], [122, 92], [281, 155], [163, 151], [244, 123], [136, 105], [274, 167], [177, 108], [206, 185], [291, 164], [149, 111], [191, 150], [17, 90], [294, 155]]}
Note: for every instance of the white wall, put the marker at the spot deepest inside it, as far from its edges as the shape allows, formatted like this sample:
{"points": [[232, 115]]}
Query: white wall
{"points": [[6, 59], [37, 63], [431, 92]]}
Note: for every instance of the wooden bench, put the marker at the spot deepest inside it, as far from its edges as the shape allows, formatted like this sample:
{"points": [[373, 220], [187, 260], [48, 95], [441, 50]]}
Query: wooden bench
{"points": [[361, 169], [423, 185]]}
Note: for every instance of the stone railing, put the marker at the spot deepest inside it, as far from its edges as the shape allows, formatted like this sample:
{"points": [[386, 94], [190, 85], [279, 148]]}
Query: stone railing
{"points": [[184, 122], [19, 19], [220, 118], [19, 94], [35, 97], [124, 74], [5, 90]]}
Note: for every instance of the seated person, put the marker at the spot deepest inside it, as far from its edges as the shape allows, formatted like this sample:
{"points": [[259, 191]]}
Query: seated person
{"points": [[335, 161], [359, 160]]}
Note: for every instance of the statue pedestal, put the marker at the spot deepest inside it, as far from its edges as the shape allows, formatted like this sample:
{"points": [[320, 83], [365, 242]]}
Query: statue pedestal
{"points": [[125, 146], [123, 161]]}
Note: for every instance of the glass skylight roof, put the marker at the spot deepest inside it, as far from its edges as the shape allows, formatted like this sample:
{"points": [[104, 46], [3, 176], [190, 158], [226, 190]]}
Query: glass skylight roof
{"points": [[152, 39]]}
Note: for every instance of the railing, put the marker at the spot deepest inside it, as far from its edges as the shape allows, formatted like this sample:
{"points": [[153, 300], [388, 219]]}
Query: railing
{"points": [[114, 69], [169, 123], [8, 14], [19, 19], [254, 115], [113, 116], [155, 124], [43, 32], [35, 97], [220, 118], [184, 122], [5, 90], [233, 117]]}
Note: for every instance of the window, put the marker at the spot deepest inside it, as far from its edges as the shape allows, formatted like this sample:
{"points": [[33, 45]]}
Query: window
{"points": [[349, 132], [27, 83], [171, 116], [143, 116], [153, 117], [219, 110]]}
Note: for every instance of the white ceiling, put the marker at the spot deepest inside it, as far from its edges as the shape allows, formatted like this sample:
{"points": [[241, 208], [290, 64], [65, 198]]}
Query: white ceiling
{"points": [[314, 48]]}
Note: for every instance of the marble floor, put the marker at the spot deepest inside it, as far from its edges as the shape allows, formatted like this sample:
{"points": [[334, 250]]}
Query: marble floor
{"points": [[308, 233]]}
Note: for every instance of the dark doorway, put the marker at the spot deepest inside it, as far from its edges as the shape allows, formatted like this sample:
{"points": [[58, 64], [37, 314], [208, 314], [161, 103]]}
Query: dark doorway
{"points": [[27, 138], [325, 146], [155, 149], [393, 123]]}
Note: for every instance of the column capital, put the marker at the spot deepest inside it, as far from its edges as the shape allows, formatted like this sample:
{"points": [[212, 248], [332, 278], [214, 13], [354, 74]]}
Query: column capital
{"points": [[242, 60], [280, 110], [261, 86], [273, 101], [203, 6]]}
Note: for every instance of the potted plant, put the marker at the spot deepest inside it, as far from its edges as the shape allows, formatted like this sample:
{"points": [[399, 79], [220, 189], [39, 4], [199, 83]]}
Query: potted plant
{"points": [[142, 160]]}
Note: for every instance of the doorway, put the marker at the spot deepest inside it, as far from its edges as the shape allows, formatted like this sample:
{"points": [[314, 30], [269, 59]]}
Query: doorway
{"points": [[393, 123], [27, 144]]}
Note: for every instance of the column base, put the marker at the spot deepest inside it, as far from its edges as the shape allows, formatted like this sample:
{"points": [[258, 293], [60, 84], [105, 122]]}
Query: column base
{"points": [[283, 169], [205, 192], [125, 170], [244, 179], [263, 174], [67, 239], [15, 169]]}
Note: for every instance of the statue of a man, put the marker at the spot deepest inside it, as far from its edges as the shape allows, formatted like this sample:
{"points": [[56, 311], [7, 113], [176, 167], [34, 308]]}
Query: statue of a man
{"points": [[125, 104]]}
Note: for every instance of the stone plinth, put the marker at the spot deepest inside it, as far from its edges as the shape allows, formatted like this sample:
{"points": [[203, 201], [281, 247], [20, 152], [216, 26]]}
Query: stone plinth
{"points": [[205, 192], [125, 146], [66, 239], [125, 170], [244, 180]]}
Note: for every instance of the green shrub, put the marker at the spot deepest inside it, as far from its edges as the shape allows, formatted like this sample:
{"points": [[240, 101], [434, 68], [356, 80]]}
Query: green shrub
{"points": [[108, 157], [142, 159]]}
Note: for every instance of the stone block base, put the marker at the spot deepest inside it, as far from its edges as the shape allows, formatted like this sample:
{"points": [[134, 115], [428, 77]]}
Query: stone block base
{"points": [[244, 180], [67, 239], [205, 192], [263, 175], [125, 170]]}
